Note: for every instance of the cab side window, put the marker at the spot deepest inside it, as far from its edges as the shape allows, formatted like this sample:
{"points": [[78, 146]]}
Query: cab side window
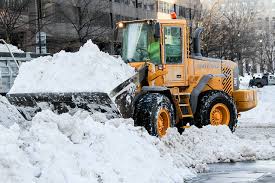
{"points": [[173, 45]]}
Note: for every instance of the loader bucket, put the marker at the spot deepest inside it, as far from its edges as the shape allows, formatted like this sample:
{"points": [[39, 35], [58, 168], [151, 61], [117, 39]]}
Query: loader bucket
{"points": [[29, 104], [118, 103]]}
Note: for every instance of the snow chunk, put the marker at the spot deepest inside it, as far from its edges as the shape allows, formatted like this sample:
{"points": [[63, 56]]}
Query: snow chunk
{"points": [[9, 115], [88, 70]]}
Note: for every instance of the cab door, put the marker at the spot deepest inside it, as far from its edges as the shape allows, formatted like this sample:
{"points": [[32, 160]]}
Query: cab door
{"points": [[174, 54]]}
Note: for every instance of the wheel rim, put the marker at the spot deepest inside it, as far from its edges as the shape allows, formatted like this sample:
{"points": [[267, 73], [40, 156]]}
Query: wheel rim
{"points": [[163, 122], [220, 115]]}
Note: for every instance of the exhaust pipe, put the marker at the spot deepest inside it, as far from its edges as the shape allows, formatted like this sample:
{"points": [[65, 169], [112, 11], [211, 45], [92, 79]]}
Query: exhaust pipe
{"points": [[196, 41]]}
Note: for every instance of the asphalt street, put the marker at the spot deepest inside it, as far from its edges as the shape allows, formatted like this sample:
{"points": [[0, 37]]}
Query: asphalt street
{"points": [[243, 172]]}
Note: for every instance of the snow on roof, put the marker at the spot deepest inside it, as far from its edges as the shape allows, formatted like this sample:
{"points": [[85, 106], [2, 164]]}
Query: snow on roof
{"points": [[14, 49], [88, 70]]}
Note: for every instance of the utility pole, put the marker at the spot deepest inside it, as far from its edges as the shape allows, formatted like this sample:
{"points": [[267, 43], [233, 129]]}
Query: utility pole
{"points": [[136, 3], [113, 38], [39, 19], [273, 67]]}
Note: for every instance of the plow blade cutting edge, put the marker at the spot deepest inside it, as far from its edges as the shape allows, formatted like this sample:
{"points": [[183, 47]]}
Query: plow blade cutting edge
{"points": [[115, 104]]}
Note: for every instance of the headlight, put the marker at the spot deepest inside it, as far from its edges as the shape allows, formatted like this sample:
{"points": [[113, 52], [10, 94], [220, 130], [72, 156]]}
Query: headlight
{"points": [[120, 25]]}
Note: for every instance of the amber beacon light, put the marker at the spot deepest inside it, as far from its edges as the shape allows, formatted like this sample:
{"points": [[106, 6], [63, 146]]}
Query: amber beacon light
{"points": [[173, 15]]}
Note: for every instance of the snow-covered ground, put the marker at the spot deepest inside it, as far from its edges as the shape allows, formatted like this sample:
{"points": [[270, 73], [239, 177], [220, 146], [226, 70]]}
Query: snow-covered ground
{"points": [[258, 125]]}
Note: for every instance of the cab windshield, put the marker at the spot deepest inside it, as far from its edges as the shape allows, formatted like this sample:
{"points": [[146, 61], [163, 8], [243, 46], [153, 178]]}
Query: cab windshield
{"points": [[140, 44]]}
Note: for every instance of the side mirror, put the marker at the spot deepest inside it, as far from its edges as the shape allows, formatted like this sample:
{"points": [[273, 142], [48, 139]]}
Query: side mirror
{"points": [[157, 30]]}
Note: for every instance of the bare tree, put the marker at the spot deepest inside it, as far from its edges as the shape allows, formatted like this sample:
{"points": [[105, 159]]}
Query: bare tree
{"points": [[13, 16], [269, 50], [88, 18], [212, 37], [230, 32], [41, 17]]}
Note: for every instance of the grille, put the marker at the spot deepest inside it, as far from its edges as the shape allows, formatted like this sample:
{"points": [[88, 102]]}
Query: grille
{"points": [[227, 81]]}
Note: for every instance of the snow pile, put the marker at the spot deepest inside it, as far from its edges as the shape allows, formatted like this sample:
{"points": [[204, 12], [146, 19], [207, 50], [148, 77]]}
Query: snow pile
{"points": [[89, 148], [64, 148], [87, 70], [14, 49], [14, 163], [263, 114]]}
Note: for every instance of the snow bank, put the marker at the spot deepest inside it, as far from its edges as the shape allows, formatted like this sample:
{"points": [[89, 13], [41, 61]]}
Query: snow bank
{"points": [[264, 113], [14, 164], [87, 70], [64, 148], [14, 49], [90, 148]]}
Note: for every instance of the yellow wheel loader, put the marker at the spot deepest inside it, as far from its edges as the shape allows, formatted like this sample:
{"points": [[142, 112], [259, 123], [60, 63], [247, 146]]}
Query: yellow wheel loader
{"points": [[172, 87]]}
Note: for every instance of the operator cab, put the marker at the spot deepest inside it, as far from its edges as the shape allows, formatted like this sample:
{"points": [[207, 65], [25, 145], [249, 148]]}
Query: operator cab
{"points": [[160, 42], [141, 42]]}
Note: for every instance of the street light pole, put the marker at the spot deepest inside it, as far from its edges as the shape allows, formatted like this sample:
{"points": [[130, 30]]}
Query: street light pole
{"points": [[39, 16], [273, 66], [261, 58]]}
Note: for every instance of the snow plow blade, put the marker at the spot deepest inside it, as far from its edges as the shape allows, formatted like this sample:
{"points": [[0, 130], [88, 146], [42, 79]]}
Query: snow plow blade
{"points": [[30, 103], [115, 104]]}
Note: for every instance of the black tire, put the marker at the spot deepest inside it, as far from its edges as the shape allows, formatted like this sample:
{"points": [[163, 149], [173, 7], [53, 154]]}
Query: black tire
{"points": [[259, 85], [207, 101], [147, 109]]}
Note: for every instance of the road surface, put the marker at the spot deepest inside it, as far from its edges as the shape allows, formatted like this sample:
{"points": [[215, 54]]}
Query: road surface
{"points": [[243, 172]]}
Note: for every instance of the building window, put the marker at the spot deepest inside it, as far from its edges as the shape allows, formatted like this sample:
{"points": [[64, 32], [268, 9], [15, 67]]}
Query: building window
{"points": [[139, 4], [165, 7], [149, 7], [181, 11]]}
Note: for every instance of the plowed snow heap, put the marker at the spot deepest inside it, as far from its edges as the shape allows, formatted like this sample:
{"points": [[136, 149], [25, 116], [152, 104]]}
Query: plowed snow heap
{"points": [[88, 70]]}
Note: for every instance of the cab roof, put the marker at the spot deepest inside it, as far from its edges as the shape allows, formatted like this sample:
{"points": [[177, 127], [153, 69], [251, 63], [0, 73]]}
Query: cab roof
{"points": [[177, 21]]}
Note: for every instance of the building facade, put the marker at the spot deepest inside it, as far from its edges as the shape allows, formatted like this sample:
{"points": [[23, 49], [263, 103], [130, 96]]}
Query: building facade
{"points": [[67, 24]]}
